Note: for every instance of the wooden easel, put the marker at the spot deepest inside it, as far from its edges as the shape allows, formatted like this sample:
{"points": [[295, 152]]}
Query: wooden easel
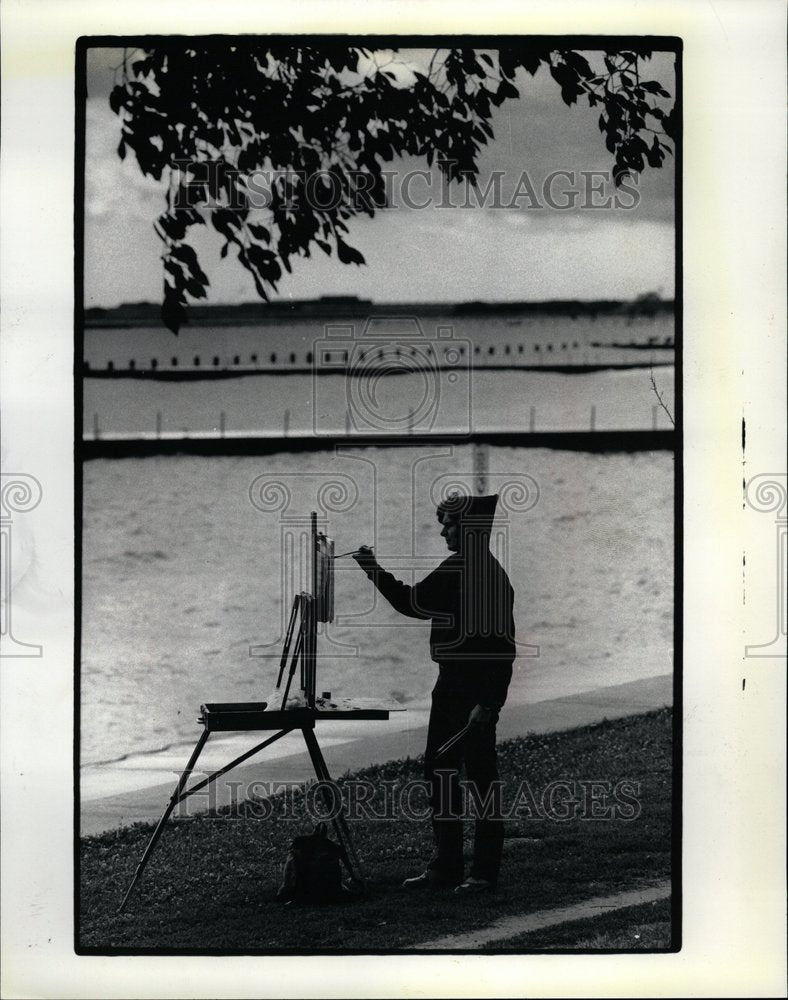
{"points": [[299, 653]]}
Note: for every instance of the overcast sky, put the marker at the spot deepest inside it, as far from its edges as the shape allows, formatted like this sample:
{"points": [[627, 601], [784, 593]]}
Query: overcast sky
{"points": [[443, 254]]}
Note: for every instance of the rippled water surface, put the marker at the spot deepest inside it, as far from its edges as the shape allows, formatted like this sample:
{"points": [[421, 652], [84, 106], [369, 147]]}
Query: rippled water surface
{"points": [[183, 573]]}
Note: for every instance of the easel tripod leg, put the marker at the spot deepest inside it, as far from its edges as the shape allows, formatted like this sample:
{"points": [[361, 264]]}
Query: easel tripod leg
{"points": [[174, 800], [339, 823]]}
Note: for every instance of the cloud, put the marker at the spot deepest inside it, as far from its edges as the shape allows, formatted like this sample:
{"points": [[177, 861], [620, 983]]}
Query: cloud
{"points": [[411, 255], [115, 187]]}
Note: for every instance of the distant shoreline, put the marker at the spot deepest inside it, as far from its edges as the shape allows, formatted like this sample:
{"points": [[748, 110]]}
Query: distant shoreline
{"points": [[349, 306], [208, 374]]}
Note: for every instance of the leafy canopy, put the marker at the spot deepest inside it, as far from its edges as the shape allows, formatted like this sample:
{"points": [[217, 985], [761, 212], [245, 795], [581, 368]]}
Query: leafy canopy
{"points": [[322, 121]]}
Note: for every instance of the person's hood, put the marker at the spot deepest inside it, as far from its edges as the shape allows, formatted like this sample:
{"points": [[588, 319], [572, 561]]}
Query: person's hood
{"points": [[476, 513]]}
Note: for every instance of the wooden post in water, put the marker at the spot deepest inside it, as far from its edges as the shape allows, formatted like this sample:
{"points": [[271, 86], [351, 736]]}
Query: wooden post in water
{"points": [[158, 424], [593, 417], [348, 425], [532, 419], [286, 423], [95, 427], [654, 416], [480, 467], [222, 423]]}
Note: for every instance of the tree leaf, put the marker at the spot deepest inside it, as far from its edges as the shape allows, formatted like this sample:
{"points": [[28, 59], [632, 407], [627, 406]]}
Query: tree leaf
{"points": [[348, 254], [531, 61], [259, 232], [173, 314], [652, 87], [578, 63]]}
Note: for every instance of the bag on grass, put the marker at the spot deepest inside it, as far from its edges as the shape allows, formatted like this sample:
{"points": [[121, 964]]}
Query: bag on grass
{"points": [[313, 870]]}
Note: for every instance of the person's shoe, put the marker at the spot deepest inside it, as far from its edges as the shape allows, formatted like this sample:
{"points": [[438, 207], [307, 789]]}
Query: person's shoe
{"points": [[428, 880], [472, 885]]}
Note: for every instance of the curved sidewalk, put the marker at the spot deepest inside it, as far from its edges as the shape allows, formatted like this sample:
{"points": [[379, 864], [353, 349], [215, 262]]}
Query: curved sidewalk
{"points": [[147, 804], [502, 930]]}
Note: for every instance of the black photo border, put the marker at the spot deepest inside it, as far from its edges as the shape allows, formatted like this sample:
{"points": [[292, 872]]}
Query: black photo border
{"points": [[667, 44]]}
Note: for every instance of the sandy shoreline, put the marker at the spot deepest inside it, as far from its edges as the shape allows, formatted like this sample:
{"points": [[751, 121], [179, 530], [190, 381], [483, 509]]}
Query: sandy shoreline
{"points": [[400, 737]]}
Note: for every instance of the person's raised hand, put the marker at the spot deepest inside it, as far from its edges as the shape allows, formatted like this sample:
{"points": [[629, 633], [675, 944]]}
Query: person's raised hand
{"points": [[480, 716], [365, 557]]}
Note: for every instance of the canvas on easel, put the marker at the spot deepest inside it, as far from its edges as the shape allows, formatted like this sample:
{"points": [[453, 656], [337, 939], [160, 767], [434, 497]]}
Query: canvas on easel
{"points": [[323, 554], [308, 610]]}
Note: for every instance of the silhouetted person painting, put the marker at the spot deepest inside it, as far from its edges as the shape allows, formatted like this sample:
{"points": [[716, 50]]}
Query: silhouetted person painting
{"points": [[469, 599]]}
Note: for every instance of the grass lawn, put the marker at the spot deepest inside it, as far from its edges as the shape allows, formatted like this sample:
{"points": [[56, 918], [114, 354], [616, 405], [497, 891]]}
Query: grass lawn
{"points": [[211, 883]]}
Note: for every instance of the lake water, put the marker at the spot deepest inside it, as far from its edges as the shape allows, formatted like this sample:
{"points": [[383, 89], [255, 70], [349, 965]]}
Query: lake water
{"points": [[184, 572], [447, 382]]}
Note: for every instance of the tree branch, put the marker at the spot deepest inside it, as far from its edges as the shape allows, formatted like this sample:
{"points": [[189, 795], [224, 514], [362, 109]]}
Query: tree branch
{"points": [[659, 396]]}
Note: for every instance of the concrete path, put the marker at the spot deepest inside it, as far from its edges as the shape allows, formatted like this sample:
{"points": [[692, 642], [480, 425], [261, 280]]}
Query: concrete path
{"points": [[387, 743], [509, 927]]}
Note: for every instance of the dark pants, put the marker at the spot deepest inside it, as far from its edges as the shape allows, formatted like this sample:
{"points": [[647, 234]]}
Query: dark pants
{"points": [[452, 703]]}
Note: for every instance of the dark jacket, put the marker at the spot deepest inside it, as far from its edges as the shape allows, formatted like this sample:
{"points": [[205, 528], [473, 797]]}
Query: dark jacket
{"points": [[469, 599]]}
